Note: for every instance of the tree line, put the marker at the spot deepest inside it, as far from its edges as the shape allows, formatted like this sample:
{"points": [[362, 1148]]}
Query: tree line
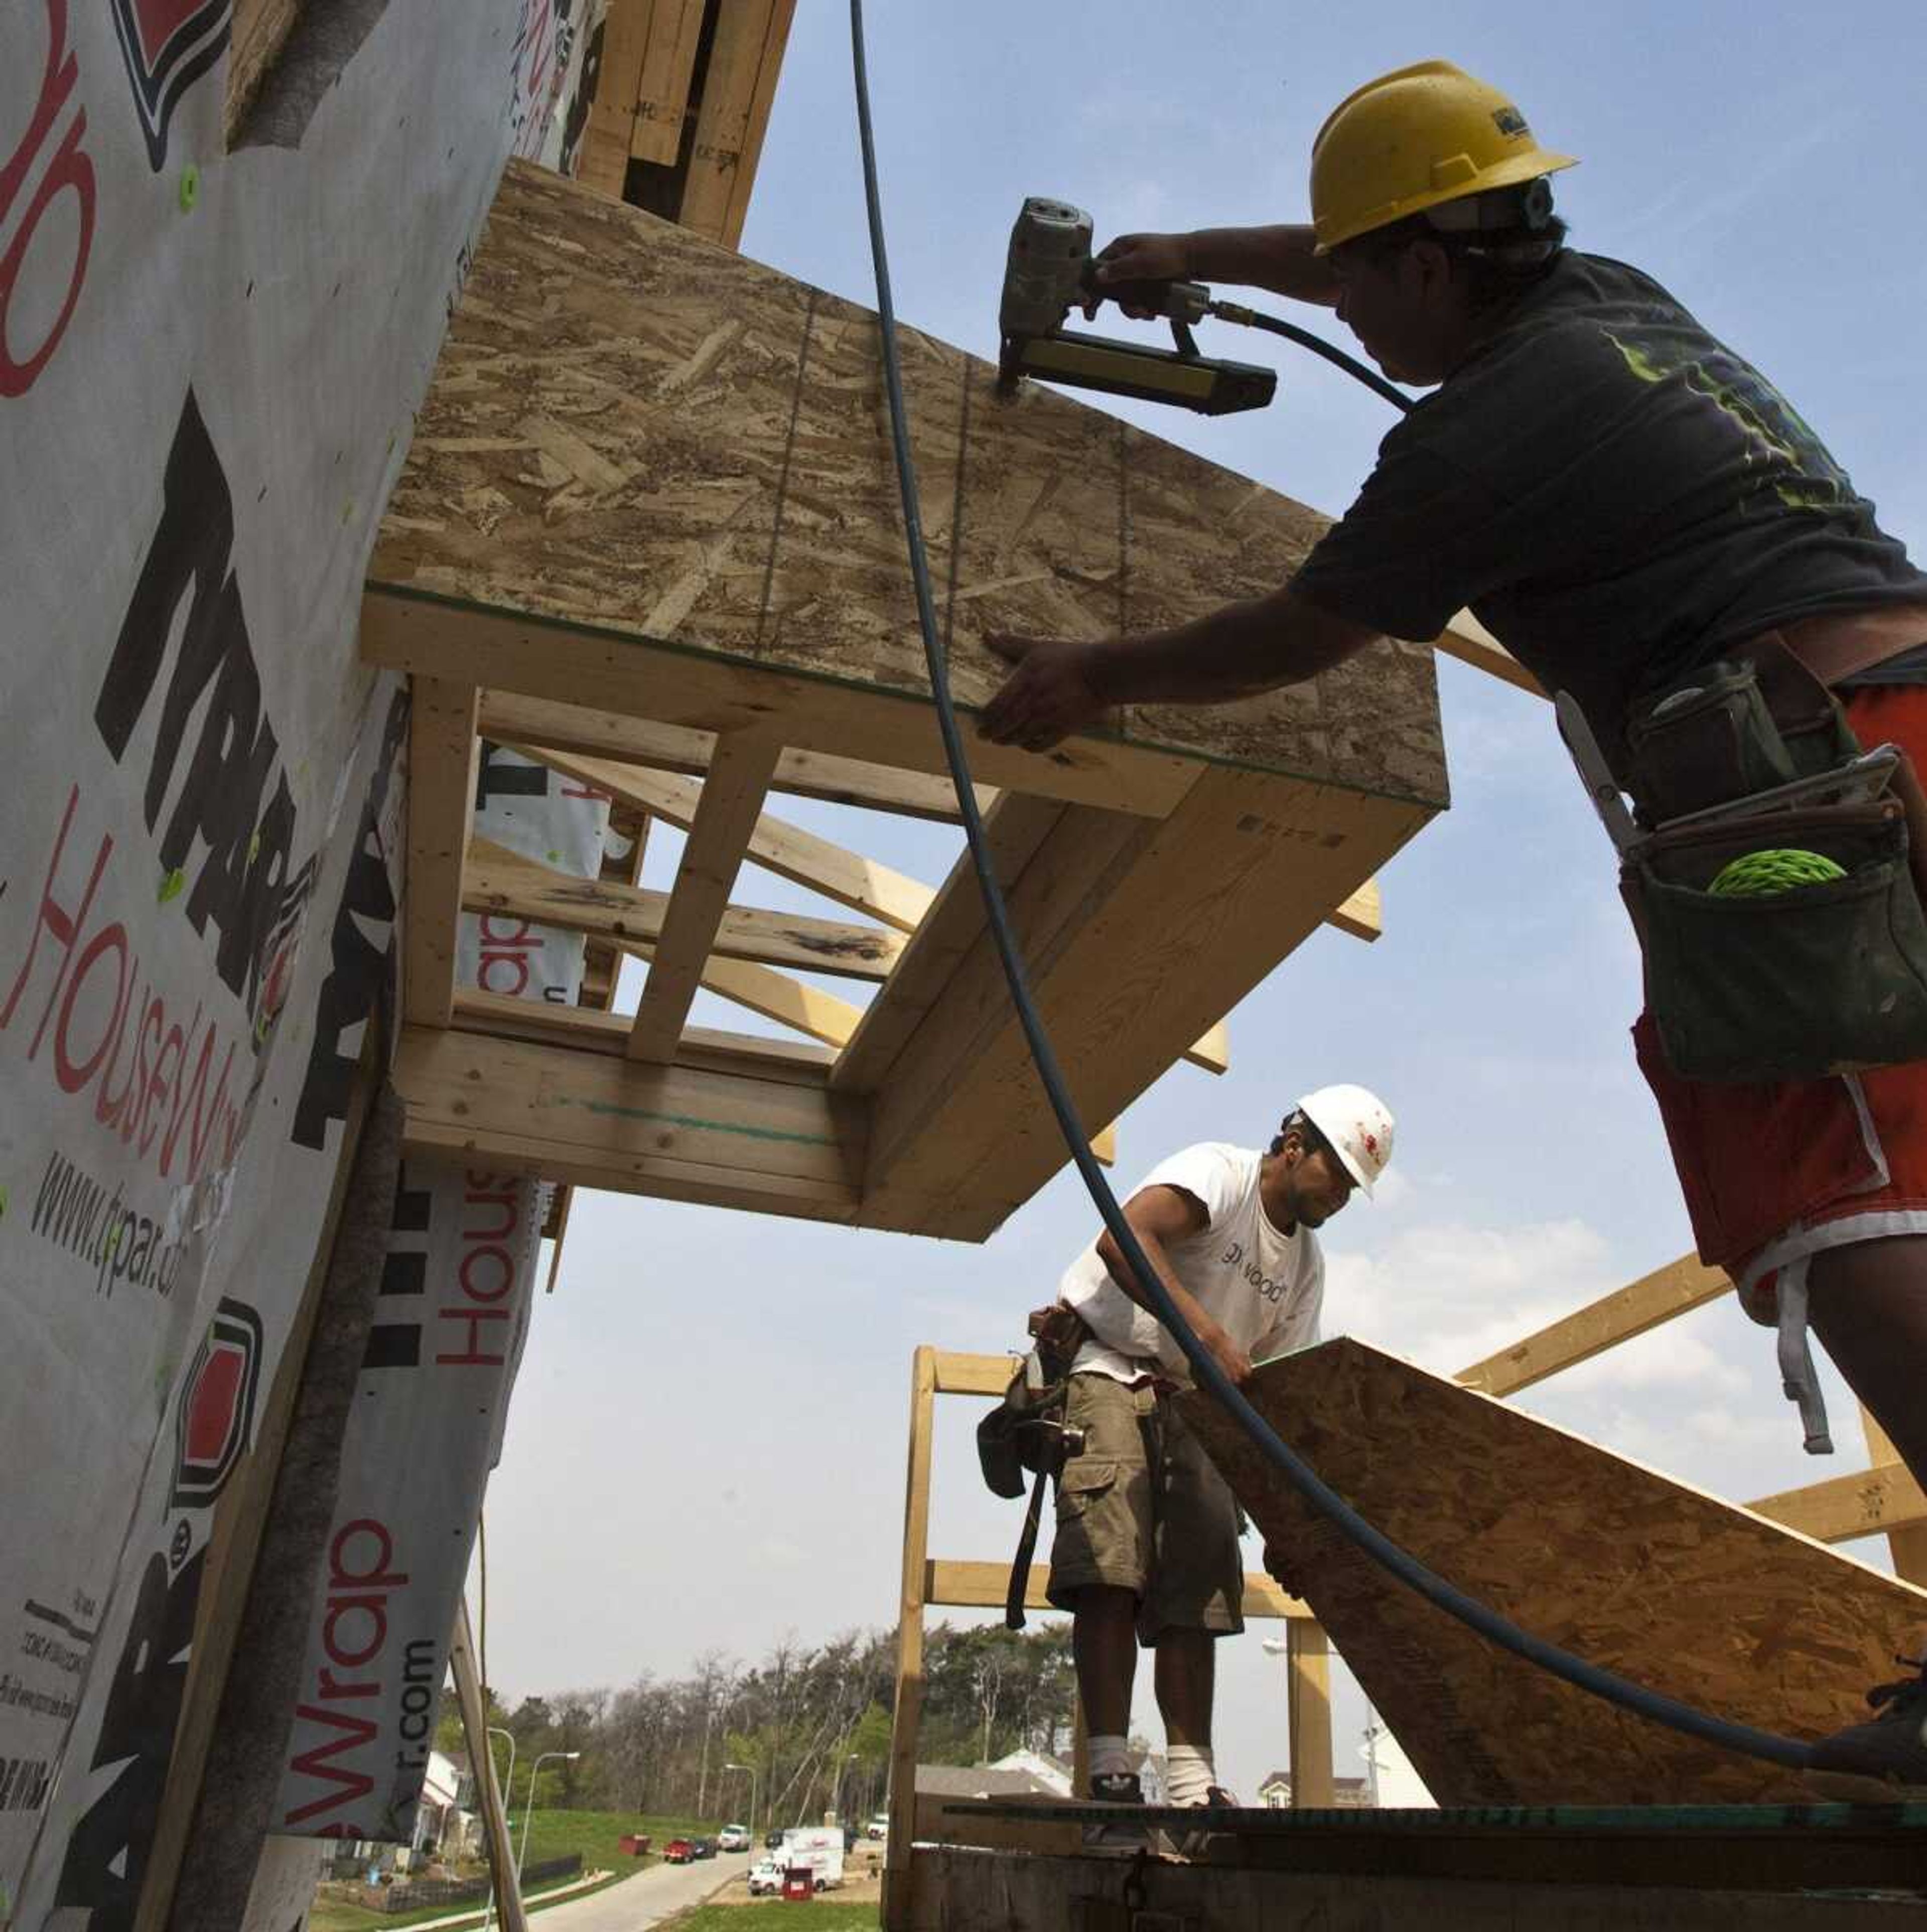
{"points": [[806, 1729]]}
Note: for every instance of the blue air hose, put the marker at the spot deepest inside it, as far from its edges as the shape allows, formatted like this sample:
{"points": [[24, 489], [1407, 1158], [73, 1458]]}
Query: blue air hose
{"points": [[1636, 1698]]}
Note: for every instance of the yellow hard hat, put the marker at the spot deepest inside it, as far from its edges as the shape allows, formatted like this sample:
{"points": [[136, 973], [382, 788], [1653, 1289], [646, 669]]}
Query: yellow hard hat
{"points": [[1411, 139]]}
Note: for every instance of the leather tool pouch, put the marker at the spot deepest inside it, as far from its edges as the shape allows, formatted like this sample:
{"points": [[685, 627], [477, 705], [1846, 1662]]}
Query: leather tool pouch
{"points": [[1821, 979], [1025, 1434]]}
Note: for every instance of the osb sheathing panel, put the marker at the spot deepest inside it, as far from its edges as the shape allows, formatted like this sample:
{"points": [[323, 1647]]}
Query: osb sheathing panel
{"points": [[634, 429], [1670, 1587]]}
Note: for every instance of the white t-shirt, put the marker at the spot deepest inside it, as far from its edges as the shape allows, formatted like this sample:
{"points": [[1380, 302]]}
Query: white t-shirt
{"points": [[1263, 1287]]}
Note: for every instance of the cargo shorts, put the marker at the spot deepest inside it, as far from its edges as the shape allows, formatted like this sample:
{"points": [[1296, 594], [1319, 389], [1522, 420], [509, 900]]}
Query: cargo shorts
{"points": [[1142, 1509]]}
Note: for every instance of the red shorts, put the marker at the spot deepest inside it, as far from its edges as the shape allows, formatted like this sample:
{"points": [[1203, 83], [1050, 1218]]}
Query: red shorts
{"points": [[1781, 1169]]}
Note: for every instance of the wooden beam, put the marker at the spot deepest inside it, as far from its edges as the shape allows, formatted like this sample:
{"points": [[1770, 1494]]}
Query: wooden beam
{"points": [[443, 752], [1308, 1707], [731, 802], [725, 1138], [501, 881], [472, 1697], [581, 1029], [1104, 1146], [746, 54], [1676, 1289], [604, 165], [610, 671], [906, 1725], [662, 85], [1137, 938], [865, 885], [973, 1586], [542, 725], [1865, 1502], [1466, 639]]}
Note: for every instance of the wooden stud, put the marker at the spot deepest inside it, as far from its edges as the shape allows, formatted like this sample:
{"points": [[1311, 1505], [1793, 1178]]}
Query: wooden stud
{"points": [[746, 53], [442, 752], [540, 725], [1308, 1700], [1865, 1502], [731, 802], [501, 881], [604, 164], [865, 885], [1676, 1289], [1906, 1543], [662, 85], [472, 1696], [258, 30], [1104, 1146], [982, 1586], [906, 1725]]}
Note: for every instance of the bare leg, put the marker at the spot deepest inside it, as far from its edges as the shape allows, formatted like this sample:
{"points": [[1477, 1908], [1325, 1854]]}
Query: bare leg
{"points": [[1869, 1307], [1187, 1675], [1103, 1645]]}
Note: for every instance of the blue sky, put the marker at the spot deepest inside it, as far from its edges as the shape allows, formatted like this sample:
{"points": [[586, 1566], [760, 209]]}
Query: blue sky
{"points": [[707, 1447]]}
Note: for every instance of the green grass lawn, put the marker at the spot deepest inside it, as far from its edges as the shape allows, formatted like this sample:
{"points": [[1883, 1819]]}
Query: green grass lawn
{"points": [[771, 1915]]}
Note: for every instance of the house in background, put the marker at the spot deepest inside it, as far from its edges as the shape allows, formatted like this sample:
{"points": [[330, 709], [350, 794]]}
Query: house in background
{"points": [[1348, 1794], [1054, 1772]]}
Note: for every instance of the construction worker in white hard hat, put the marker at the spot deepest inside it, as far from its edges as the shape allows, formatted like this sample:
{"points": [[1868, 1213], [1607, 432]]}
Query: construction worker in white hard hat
{"points": [[1652, 530], [1146, 1548]]}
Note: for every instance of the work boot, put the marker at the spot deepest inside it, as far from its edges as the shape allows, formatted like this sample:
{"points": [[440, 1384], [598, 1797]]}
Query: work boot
{"points": [[1885, 1758]]}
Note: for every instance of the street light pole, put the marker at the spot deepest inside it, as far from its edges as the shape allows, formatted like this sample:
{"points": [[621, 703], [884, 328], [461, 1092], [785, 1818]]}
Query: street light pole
{"points": [[752, 1770], [535, 1771], [495, 1731]]}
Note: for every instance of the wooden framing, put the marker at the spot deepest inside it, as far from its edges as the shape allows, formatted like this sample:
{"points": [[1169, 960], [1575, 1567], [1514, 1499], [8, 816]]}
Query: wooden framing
{"points": [[928, 1582], [442, 752], [660, 555]]}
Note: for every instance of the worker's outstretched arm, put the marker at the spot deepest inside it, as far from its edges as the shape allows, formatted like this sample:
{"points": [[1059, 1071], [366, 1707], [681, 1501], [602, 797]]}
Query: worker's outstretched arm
{"points": [[1280, 258], [1158, 1215], [1059, 686]]}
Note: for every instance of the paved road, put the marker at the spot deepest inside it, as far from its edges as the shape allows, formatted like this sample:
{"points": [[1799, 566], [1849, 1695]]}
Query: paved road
{"points": [[644, 1900]]}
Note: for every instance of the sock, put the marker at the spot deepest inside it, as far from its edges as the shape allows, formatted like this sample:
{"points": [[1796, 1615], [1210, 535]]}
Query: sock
{"points": [[1109, 1756], [1188, 1774]]}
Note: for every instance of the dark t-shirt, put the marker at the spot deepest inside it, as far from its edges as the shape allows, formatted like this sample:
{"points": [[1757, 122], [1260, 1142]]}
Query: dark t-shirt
{"points": [[1616, 495]]}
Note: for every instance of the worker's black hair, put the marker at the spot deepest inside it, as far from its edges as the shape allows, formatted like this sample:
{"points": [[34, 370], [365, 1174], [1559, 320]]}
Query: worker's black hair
{"points": [[1496, 265], [1299, 1123]]}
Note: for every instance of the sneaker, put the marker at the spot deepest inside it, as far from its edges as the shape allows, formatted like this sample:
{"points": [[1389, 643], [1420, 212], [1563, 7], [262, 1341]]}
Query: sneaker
{"points": [[1116, 1787], [1192, 1844], [1875, 1762]]}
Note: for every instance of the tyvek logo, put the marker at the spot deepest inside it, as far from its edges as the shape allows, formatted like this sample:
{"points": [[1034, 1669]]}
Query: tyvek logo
{"points": [[169, 45], [215, 1414]]}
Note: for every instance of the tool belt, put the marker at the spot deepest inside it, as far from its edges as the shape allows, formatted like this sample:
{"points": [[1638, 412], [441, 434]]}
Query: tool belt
{"points": [[1811, 959], [1026, 1433]]}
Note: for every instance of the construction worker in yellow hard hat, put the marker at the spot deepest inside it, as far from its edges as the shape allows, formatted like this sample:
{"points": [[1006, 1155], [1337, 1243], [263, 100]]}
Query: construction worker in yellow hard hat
{"points": [[1650, 528]]}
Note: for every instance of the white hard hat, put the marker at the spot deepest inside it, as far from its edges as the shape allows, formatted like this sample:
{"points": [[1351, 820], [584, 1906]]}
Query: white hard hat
{"points": [[1358, 1125]]}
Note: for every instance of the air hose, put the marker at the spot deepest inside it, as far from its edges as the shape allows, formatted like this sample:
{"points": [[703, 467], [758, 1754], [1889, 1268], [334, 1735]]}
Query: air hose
{"points": [[1477, 1616]]}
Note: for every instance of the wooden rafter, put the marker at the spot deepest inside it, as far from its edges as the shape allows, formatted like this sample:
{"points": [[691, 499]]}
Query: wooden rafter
{"points": [[725, 817], [1864, 1502], [442, 752], [865, 885], [776, 996], [541, 725], [970, 1585], [500, 881]]}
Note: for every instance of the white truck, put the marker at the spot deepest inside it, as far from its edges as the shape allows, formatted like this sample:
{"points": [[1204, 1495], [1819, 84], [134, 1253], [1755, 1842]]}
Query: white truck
{"points": [[818, 1849]]}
